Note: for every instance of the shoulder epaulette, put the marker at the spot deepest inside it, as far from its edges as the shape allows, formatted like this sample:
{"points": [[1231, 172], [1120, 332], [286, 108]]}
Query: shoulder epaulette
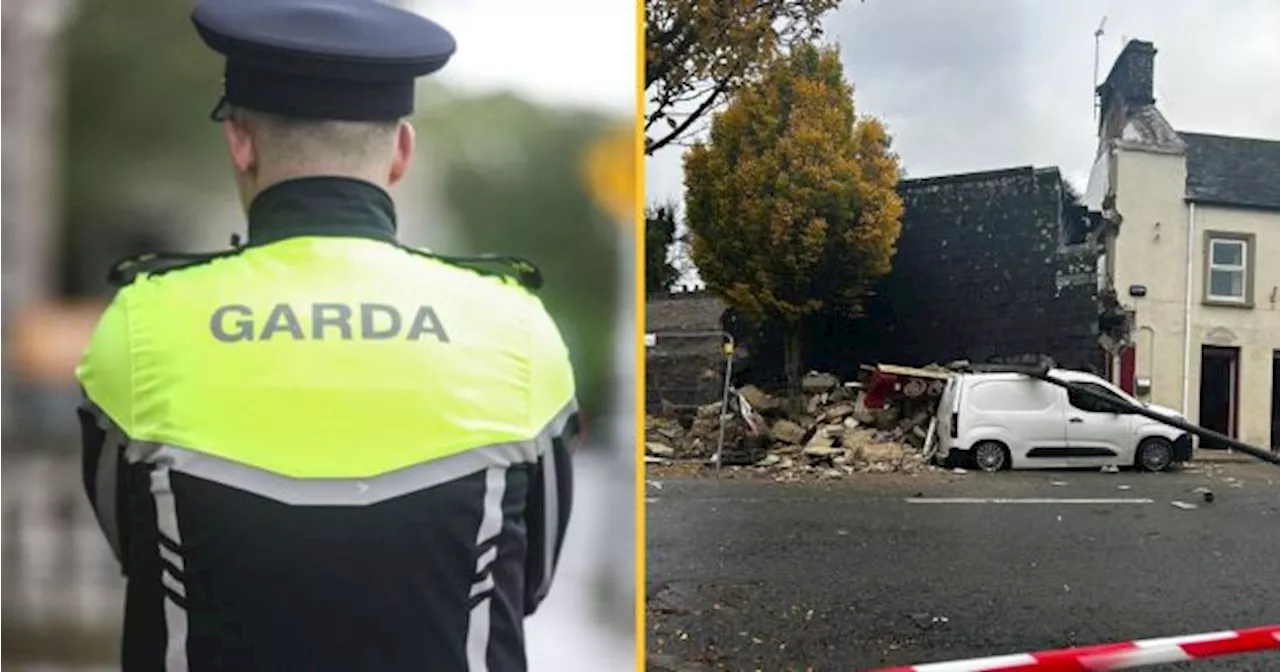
{"points": [[125, 271], [523, 270]]}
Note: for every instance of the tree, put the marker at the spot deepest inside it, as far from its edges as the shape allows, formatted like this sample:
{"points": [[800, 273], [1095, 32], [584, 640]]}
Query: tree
{"points": [[513, 183], [699, 52], [792, 205], [137, 90], [659, 238]]}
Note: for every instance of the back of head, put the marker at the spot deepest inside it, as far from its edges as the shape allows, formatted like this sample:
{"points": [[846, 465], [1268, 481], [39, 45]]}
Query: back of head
{"points": [[287, 147], [319, 87]]}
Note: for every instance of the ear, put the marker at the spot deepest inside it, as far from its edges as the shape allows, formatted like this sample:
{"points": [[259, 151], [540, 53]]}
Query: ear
{"points": [[404, 152], [244, 155]]}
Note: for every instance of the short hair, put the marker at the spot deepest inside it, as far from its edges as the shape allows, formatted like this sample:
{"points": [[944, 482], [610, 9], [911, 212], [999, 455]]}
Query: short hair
{"points": [[318, 141]]}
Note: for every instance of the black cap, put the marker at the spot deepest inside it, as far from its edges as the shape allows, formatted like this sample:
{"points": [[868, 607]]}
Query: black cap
{"points": [[345, 60]]}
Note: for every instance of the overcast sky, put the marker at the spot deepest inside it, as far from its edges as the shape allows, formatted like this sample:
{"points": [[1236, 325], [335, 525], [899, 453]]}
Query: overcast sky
{"points": [[987, 84], [573, 52]]}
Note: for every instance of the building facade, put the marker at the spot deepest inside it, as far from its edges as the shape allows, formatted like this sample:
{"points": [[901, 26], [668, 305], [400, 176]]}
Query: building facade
{"points": [[1195, 258]]}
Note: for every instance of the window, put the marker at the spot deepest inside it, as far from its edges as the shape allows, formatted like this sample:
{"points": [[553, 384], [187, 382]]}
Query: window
{"points": [[1092, 404], [1228, 269]]}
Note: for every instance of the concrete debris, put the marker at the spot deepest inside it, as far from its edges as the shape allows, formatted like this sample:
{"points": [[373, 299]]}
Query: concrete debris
{"points": [[659, 449], [1110, 469], [828, 433], [1185, 506], [786, 431], [760, 400], [815, 382]]}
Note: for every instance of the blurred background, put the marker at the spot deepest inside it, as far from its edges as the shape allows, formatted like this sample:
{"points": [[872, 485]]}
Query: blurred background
{"points": [[526, 147]]}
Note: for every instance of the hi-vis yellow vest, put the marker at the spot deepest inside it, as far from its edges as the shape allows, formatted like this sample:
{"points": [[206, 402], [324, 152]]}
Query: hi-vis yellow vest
{"points": [[327, 357]]}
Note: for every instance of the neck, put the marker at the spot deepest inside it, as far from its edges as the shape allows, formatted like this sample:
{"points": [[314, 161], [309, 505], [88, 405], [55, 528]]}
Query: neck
{"points": [[321, 206], [269, 176]]}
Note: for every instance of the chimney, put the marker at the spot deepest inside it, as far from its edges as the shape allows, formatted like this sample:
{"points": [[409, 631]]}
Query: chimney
{"points": [[1131, 80]]}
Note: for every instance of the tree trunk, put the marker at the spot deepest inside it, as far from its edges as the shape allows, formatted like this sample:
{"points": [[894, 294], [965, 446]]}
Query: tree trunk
{"points": [[793, 361]]}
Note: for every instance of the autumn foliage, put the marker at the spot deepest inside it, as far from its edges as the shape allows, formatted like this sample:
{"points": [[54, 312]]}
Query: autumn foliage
{"points": [[792, 204], [699, 52]]}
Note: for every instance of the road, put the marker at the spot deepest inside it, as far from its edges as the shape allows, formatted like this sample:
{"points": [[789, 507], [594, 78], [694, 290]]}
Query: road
{"points": [[751, 574]]}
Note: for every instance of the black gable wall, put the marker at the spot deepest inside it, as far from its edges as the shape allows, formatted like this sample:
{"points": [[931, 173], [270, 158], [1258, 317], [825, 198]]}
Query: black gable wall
{"points": [[982, 271]]}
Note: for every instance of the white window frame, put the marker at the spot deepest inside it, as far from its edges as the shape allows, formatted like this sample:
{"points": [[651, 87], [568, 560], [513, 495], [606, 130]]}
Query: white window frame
{"points": [[1242, 268]]}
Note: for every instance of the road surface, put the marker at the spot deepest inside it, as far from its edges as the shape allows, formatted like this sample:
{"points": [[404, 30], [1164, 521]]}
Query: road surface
{"points": [[895, 569]]}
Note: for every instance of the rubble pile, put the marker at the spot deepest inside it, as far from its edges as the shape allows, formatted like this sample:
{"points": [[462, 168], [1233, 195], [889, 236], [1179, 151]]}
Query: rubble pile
{"points": [[830, 435]]}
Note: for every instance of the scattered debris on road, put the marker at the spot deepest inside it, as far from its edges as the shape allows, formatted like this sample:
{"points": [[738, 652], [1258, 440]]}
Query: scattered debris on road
{"points": [[1185, 506], [882, 424]]}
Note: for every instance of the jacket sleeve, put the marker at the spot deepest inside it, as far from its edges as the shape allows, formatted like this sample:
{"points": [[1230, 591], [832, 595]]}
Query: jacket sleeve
{"points": [[104, 413], [550, 500]]}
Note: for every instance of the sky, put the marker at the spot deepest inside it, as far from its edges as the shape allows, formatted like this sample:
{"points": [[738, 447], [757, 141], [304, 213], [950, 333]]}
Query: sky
{"points": [[988, 84], [560, 52]]}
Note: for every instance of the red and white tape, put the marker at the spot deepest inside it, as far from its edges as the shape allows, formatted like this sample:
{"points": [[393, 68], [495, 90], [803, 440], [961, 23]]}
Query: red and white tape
{"points": [[1118, 656]]}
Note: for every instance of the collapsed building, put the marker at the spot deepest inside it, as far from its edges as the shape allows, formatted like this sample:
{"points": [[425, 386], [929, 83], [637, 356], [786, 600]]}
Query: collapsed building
{"points": [[988, 265]]}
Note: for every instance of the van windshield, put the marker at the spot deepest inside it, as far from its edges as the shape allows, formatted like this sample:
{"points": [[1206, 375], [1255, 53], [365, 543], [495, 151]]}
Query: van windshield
{"points": [[1119, 393]]}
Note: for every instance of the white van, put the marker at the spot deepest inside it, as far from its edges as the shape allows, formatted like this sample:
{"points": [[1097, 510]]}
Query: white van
{"points": [[1013, 421]]}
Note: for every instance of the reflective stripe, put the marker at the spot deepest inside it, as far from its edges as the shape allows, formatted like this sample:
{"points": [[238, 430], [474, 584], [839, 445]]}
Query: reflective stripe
{"points": [[171, 558], [557, 425], [353, 491], [345, 491], [551, 516], [105, 477], [175, 617], [105, 481], [172, 583], [478, 627], [487, 559], [486, 584]]}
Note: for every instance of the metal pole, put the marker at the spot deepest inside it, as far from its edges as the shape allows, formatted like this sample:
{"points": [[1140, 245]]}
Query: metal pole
{"points": [[724, 400], [1264, 455]]}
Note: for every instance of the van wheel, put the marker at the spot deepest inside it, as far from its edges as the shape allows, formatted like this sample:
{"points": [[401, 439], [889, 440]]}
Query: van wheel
{"points": [[990, 456], [1154, 454]]}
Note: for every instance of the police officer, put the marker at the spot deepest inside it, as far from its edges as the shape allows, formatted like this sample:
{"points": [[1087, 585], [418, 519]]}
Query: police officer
{"points": [[323, 450]]}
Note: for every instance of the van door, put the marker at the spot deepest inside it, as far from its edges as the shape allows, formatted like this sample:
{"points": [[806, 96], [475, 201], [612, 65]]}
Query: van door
{"points": [[1097, 433], [1023, 413], [1035, 417]]}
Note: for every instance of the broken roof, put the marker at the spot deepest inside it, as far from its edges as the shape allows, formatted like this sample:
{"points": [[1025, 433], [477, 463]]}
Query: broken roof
{"points": [[1225, 170], [1146, 129]]}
